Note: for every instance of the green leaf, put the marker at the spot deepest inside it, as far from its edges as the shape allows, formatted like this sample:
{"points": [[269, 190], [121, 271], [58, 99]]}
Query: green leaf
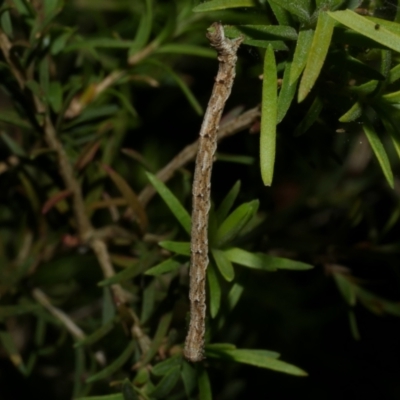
{"points": [[55, 96], [224, 265], [316, 55], [169, 265], [300, 56], [98, 334], [50, 6], [353, 113], [166, 384], [124, 275], [115, 365], [186, 49], [298, 8], [148, 301], [219, 346], [159, 336], [227, 202], [189, 378], [204, 385], [310, 117], [115, 396], [263, 32], [6, 24], [379, 150], [11, 349], [163, 367], [215, 290], [250, 260], [238, 159], [258, 358], [144, 29], [370, 29], [14, 147], [281, 15], [128, 391], [172, 202], [346, 288], [268, 117], [13, 311], [234, 295], [286, 94], [130, 197], [182, 248], [215, 5], [263, 261], [235, 222], [12, 118]]}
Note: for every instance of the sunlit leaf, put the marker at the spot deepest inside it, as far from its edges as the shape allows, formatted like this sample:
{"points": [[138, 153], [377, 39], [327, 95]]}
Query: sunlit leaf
{"points": [[316, 55]]}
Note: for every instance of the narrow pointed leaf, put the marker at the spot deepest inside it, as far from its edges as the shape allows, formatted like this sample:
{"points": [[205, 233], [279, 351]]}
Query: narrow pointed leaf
{"points": [[353, 113], [115, 396], [227, 202], [204, 385], [300, 56], [215, 291], [10, 347], [182, 248], [370, 29], [268, 118], [310, 117], [98, 334], [163, 367], [379, 150], [172, 202], [166, 384], [224, 265], [258, 359], [299, 8], [115, 365], [215, 5], [235, 222], [144, 29], [164, 267], [286, 94], [316, 55]]}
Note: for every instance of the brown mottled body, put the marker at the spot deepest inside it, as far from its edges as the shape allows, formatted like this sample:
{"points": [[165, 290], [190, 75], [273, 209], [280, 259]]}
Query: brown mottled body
{"points": [[227, 58]]}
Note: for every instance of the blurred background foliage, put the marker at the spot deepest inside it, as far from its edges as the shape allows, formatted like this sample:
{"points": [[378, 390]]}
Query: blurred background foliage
{"points": [[97, 98]]}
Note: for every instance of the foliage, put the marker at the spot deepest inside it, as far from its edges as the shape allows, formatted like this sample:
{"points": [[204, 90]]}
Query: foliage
{"points": [[96, 274]]}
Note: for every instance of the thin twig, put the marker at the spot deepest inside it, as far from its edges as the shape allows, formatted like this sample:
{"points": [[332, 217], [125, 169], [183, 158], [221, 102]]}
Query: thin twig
{"points": [[84, 226], [201, 203]]}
